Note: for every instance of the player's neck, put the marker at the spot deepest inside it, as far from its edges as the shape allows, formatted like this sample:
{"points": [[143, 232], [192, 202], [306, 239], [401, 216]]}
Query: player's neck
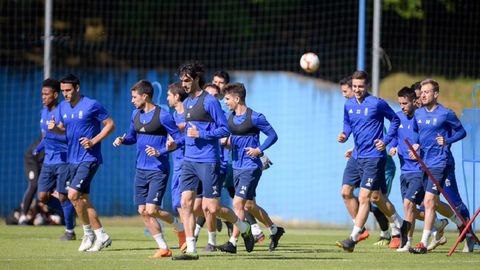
{"points": [[195, 92], [148, 107], [240, 109], [432, 106], [179, 108], [74, 102], [52, 106]]}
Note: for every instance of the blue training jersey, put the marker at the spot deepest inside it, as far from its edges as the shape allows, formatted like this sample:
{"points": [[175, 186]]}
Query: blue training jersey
{"points": [[55, 145], [177, 155], [158, 142], [365, 121], [240, 160], [206, 148], [406, 131], [440, 121], [84, 120]]}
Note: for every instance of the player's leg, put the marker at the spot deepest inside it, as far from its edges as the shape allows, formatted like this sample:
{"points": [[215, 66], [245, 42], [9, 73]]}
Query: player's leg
{"points": [[63, 176]]}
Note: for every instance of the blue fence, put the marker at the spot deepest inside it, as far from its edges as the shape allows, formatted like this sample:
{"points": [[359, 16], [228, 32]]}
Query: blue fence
{"points": [[303, 184]]}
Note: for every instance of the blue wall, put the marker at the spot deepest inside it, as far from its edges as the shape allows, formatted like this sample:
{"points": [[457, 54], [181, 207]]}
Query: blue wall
{"points": [[304, 182]]}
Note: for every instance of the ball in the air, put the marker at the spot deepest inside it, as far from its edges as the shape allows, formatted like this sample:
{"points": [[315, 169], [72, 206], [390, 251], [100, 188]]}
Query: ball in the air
{"points": [[309, 62]]}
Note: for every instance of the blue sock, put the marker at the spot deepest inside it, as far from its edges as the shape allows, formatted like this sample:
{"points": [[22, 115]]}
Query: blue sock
{"points": [[462, 208], [69, 214]]}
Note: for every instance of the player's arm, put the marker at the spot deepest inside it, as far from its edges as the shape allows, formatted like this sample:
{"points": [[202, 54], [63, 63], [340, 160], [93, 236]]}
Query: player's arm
{"points": [[457, 128], [40, 146], [129, 139], [212, 106], [261, 123], [168, 122], [393, 118], [108, 128], [347, 129]]}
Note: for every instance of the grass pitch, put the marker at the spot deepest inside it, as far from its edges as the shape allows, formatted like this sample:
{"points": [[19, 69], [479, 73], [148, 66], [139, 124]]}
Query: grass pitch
{"points": [[28, 247]]}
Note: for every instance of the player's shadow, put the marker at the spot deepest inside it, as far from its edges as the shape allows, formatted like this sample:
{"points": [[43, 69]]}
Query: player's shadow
{"points": [[131, 249]]}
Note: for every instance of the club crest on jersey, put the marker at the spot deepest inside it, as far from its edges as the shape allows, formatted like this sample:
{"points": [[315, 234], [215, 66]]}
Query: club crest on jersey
{"points": [[434, 121], [71, 116], [80, 114], [365, 112]]}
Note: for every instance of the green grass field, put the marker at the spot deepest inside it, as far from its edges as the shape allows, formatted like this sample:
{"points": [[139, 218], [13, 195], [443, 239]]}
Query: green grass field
{"points": [[28, 247]]}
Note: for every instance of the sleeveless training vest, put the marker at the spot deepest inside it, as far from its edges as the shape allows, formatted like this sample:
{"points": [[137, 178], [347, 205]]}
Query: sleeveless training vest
{"points": [[153, 127], [246, 128], [198, 113]]}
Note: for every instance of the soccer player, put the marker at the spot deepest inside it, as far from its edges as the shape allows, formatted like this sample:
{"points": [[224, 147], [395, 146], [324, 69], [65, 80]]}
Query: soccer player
{"points": [[245, 126], [55, 169], [363, 117], [434, 122], [80, 122], [149, 129], [349, 187], [175, 97], [411, 177], [206, 125]]}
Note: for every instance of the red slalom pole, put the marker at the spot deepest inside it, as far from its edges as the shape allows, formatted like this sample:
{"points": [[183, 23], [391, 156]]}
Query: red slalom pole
{"points": [[463, 233], [430, 175]]}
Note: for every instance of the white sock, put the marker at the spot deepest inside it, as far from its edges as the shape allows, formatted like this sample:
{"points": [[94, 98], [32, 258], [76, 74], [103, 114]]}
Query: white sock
{"points": [[160, 241], [385, 234], [353, 221], [425, 236], [87, 229], [178, 224], [212, 238], [233, 240], [273, 229], [242, 225], [197, 230], [69, 231], [397, 220], [100, 233], [191, 244], [455, 219], [395, 229], [256, 229], [355, 233]]}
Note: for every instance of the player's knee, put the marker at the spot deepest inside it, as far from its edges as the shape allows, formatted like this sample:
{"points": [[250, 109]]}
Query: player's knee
{"points": [[375, 198], [347, 193], [429, 203], [43, 197], [151, 211], [250, 205], [73, 196], [238, 205]]}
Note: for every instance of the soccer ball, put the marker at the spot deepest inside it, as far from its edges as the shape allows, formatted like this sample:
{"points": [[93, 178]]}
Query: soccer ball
{"points": [[309, 62]]}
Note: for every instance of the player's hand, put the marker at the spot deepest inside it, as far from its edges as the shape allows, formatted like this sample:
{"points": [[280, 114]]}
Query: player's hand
{"points": [[170, 145], [52, 124], [86, 142], [192, 131], [410, 153], [224, 141], [253, 152], [119, 140], [441, 140], [348, 154], [342, 137], [152, 152], [393, 151], [379, 144]]}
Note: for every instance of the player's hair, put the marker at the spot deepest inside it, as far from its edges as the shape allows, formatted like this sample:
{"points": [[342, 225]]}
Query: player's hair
{"points": [[213, 86], [71, 79], [52, 84], [346, 81], [193, 70], [237, 89], [222, 74], [436, 87], [176, 88], [143, 87], [416, 86], [361, 75], [407, 93]]}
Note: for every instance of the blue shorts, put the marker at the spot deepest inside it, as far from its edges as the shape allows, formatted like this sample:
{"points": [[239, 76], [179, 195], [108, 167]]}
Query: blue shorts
{"points": [[351, 176], [176, 193], [82, 175], [440, 175], [246, 181], [200, 175], [150, 186], [54, 177], [411, 186]]}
